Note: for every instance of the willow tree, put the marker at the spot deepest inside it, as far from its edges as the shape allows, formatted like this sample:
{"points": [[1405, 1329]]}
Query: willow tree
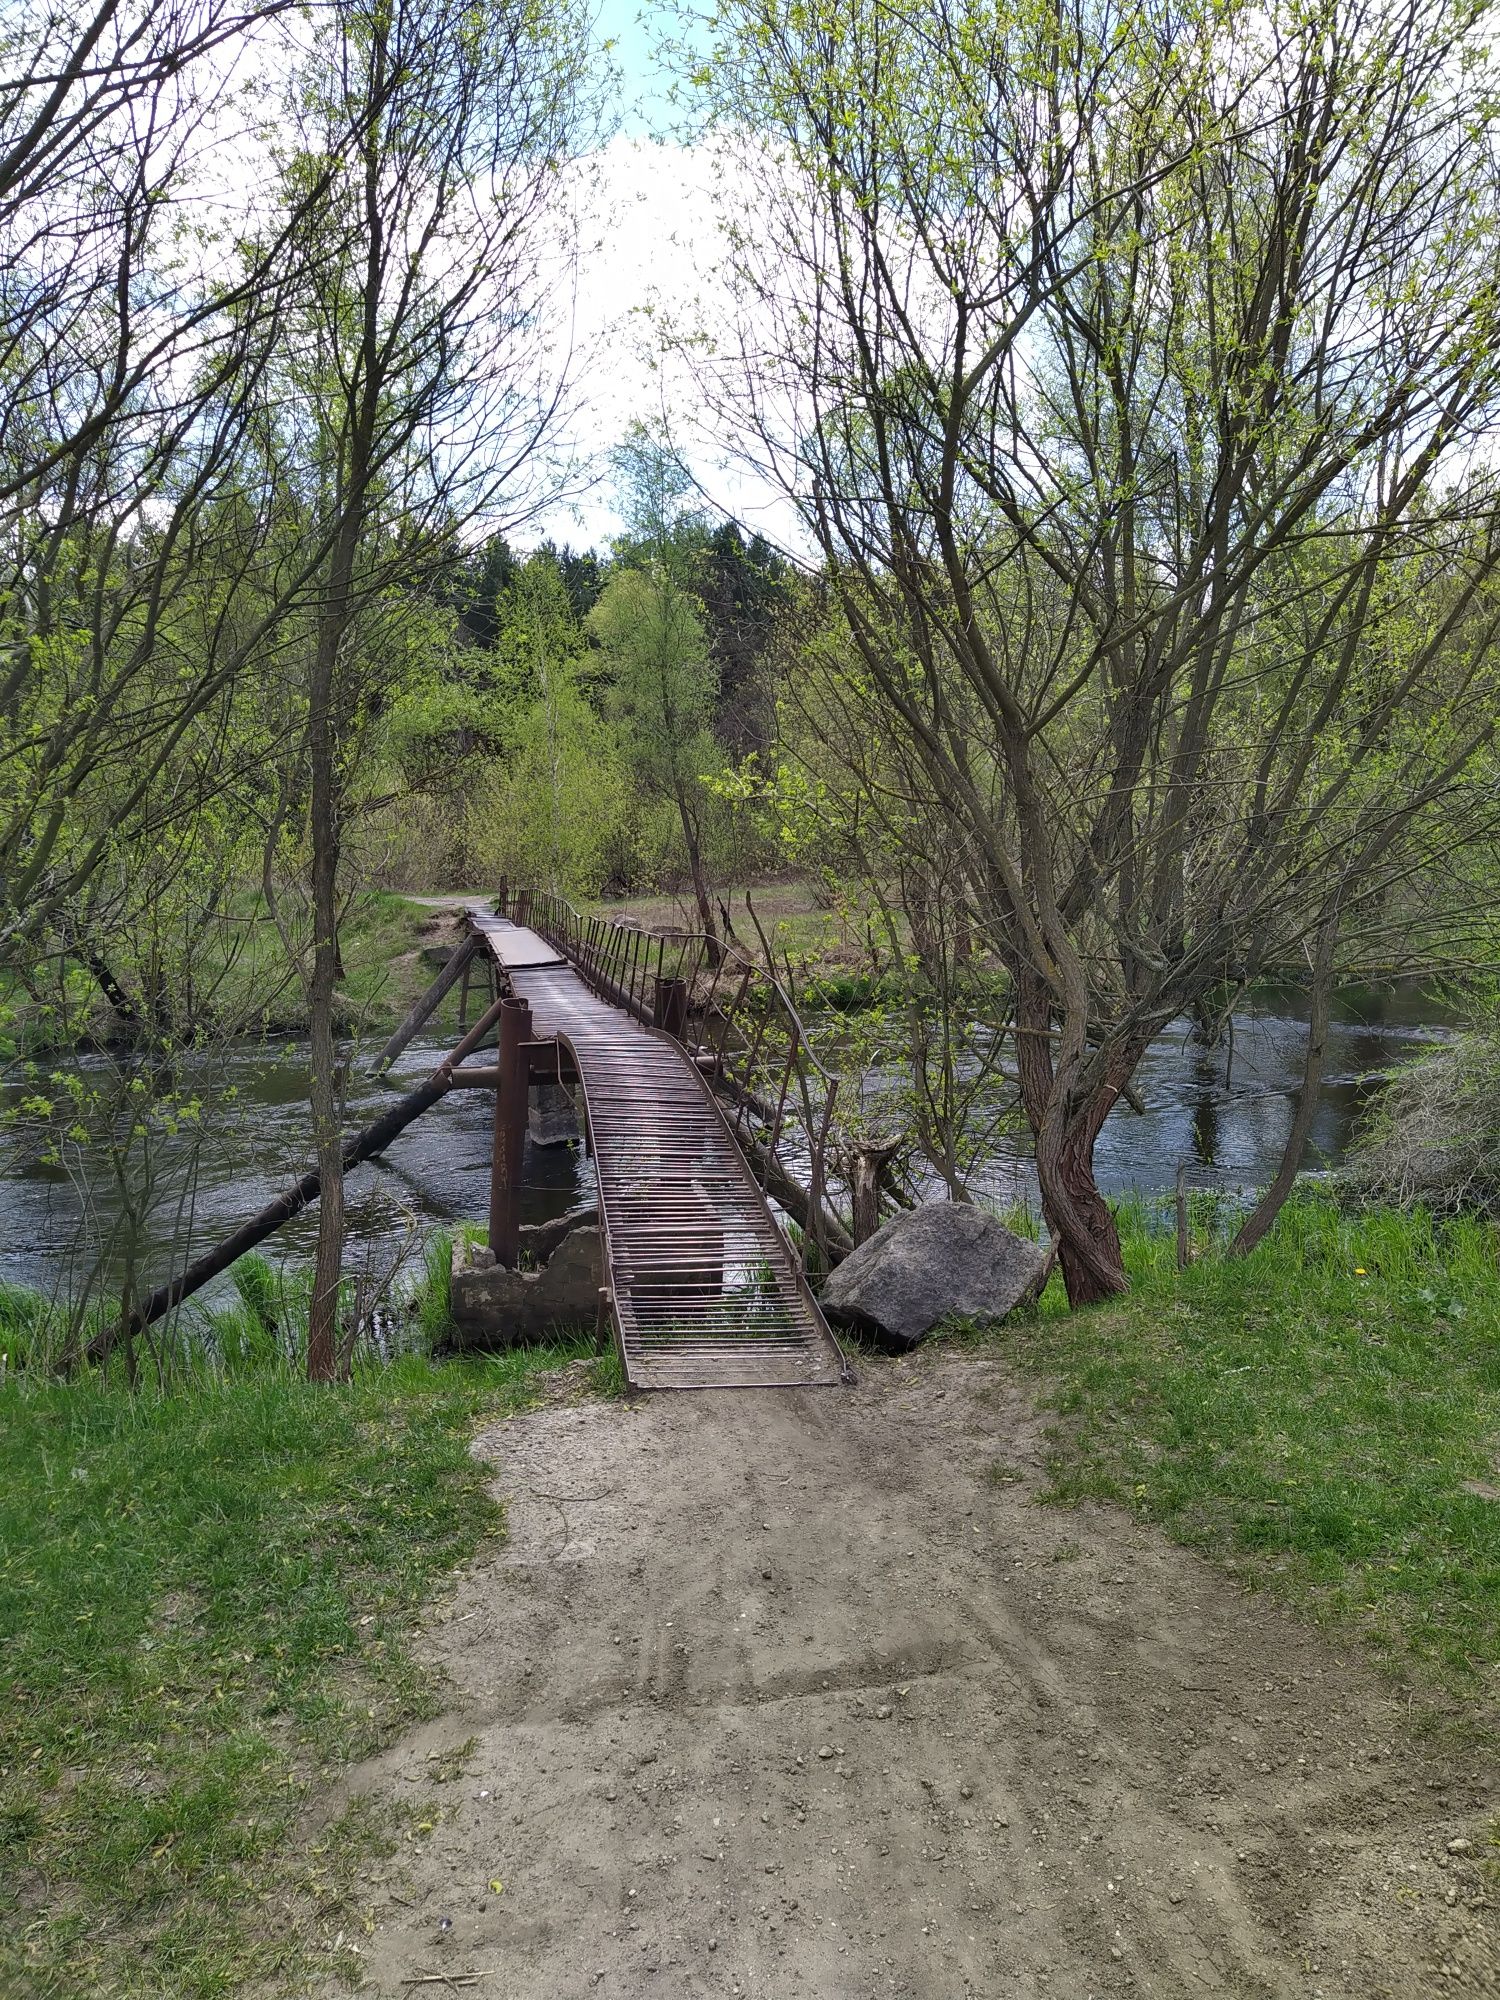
{"points": [[1135, 369], [132, 349]]}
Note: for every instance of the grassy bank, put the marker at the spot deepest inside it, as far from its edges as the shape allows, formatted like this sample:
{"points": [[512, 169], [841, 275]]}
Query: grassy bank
{"points": [[242, 981], [206, 1608], [1323, 1417]]}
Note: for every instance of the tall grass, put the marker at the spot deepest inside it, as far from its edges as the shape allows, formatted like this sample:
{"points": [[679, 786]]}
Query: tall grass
{"points": [[1323, 1415], [433, 1300], [260, 1328]]}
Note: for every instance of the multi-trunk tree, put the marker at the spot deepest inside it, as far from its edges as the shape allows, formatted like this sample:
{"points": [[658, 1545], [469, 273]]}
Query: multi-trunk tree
{"points": [[1135, 372]]}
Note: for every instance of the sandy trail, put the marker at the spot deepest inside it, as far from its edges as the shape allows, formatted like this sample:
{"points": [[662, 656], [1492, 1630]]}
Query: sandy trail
{"points": [[795, 1693]]}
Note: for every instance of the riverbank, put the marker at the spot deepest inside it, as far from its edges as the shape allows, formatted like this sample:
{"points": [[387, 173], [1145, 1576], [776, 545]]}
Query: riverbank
{"points": [[790, 1695], [208, 1601], [1322, 1418], [392, 948]]}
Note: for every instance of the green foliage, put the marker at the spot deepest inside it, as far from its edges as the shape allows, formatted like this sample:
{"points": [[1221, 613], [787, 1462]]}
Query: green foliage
{"points": [[557, 809], [651, 631], [433, 1300], [205, 1602], [1321, 1415]]}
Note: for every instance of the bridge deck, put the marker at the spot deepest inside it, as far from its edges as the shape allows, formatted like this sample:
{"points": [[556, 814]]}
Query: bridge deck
{"points": [[706, 1291]]}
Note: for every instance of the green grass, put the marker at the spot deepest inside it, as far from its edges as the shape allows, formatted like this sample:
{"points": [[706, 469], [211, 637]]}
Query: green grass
{"points": [[1309, 1416], [434, 1294], [206, 1608], [241, 975], [795, 921]]}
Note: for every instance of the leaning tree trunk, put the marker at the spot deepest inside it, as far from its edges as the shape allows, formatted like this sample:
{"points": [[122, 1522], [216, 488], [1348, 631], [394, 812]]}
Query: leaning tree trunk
{"points": [[1064, 1128], [324, 1092]]}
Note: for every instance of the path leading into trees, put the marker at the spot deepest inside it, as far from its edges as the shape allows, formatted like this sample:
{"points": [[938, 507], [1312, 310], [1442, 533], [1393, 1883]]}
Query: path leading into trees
{"points": [[703, 1287], [772, 1695]]}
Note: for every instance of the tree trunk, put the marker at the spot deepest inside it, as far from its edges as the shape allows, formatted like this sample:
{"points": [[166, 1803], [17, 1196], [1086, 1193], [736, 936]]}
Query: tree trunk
{"points": [[1081, 1222], [700, 878], [868, 1163], [325, 1094], [1080, 1219], [1259, 1221]]}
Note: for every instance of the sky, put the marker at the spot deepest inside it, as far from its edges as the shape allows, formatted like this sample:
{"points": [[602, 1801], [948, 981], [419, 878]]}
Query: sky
{"points": [[633, 30], [655, 235]]}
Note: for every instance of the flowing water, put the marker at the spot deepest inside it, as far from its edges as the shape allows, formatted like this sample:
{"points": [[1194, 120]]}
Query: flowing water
{"points": [[1223, 1112], [62, 1223]]}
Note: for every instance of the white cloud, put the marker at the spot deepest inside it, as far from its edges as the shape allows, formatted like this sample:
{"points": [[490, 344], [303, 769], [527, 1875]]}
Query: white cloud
{"points": [[650, 253]]}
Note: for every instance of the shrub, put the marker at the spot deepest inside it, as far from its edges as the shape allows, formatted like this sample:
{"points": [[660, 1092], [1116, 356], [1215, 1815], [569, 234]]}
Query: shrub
{"points": [[1432, 1137]]}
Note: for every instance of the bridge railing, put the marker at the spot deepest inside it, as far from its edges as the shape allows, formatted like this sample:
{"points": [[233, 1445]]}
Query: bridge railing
{"points": [[741, 1028]]}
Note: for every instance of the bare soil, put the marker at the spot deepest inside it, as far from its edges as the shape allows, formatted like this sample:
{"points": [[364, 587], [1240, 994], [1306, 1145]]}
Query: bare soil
{"points": [[803, 1693]]}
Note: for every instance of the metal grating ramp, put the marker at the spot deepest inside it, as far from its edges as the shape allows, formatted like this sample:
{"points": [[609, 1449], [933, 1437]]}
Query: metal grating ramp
{"points": [[706, 1291]]}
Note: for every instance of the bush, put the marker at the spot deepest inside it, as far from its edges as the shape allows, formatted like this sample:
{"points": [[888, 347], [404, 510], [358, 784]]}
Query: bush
{"points": [[1432, 1137]]}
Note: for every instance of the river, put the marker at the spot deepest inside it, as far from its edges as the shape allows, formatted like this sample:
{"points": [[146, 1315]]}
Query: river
{"points": [[58, 1219]]}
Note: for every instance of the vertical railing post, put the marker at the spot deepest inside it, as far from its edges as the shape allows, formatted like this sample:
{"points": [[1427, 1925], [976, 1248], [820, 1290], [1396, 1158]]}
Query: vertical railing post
{"points": [[509, 1147]]}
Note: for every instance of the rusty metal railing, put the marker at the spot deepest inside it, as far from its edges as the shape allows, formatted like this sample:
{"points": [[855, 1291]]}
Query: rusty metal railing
{"points": [[742, 1030]]}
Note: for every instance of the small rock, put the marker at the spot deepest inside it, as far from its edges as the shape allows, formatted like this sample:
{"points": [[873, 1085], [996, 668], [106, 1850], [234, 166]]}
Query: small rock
{"points": [[713, 1944], [883, 1713], [825, 1751], [1459, 1846], [966, 1791]]}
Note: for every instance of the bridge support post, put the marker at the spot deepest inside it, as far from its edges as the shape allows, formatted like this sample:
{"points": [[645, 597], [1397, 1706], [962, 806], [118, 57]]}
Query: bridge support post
{"points": [[509, 1146], [429, 1003], [671, 1005]]}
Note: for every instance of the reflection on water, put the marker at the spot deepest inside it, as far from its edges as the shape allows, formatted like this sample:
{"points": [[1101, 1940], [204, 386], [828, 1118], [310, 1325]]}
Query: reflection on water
{"points": [[57, 1222], [1225, 1112]]}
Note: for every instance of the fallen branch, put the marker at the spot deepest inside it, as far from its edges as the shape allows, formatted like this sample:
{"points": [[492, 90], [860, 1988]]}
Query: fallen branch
{"points": [[363, 1146]]}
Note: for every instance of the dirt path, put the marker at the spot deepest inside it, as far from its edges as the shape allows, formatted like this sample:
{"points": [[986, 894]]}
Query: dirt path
{"points": [[801, 1693]]}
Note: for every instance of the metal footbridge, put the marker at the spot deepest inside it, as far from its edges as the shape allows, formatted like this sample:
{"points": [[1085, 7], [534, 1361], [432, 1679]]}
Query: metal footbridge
{"points": [[704, 1288]]}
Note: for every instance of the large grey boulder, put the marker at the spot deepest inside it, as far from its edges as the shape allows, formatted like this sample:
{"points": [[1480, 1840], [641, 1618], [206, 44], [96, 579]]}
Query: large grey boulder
{"points": [[945, 1260]]}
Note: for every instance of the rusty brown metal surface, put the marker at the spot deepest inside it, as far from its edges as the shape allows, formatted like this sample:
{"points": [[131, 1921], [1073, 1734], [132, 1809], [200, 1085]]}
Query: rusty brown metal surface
{"points": [[704, 1288], [509, 1142]]}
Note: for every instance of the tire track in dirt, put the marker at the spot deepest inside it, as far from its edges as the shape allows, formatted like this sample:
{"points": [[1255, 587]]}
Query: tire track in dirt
{"points": [[781, 1694]]}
